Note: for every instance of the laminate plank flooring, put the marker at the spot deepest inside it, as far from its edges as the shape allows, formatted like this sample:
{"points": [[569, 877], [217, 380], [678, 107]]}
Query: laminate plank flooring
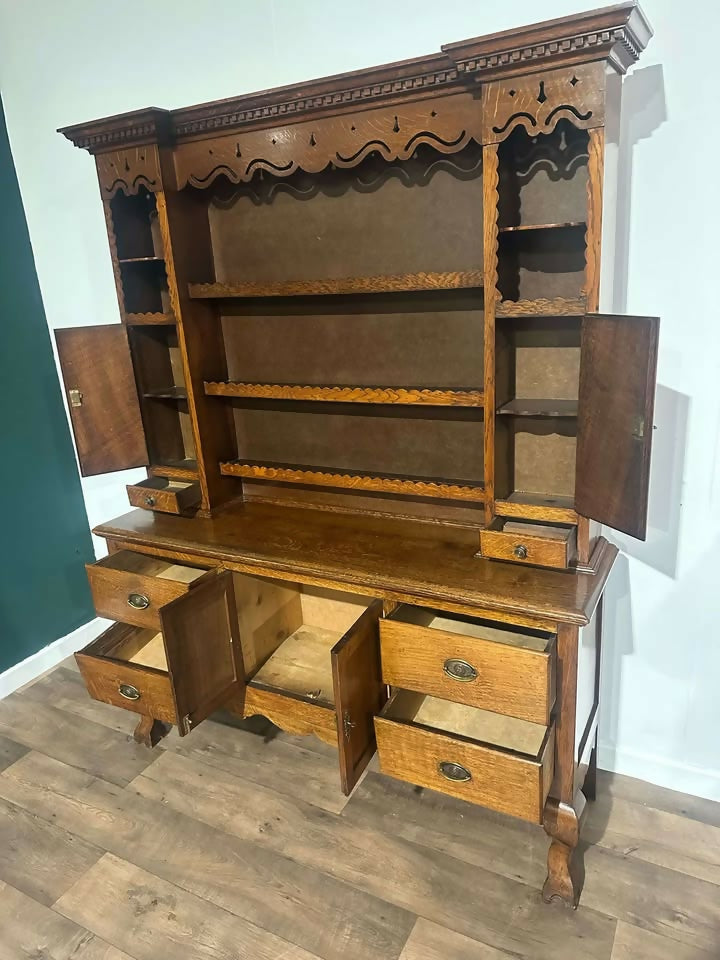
{"points": [[236, 842]]}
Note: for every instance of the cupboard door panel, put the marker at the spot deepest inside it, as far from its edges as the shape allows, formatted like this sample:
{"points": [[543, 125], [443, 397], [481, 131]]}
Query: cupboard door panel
{"points": [[618, 360], [100, 385], [359, 694], [202, 643]]}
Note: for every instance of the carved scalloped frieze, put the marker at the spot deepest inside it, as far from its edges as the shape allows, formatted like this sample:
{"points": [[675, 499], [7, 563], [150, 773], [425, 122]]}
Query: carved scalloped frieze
{"points": [[448, 124], [537, 102], [128, 170], [557, 307]]}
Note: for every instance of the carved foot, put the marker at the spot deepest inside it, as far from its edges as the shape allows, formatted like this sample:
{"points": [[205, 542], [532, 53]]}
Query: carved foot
{"points": [[562, 824], [149, 731]]}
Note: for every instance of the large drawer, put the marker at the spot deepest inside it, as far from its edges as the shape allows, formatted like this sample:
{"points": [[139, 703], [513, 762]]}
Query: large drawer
{"points": [[507, 670], [498, 762], [132, 587], [180, 673]]}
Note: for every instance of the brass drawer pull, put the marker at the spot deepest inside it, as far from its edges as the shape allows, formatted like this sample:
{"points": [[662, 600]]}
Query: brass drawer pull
{"points": [[150, 501], [138, 601], [459, 670], [128, 691], [454, 771], [521, 551]]}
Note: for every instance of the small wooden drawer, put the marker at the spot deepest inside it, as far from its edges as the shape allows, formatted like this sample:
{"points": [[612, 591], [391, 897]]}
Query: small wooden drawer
{"points": [[509, 671], [167, 496], [501, 763], [180, 673], [132, 587], [531, 543], [312, 661]]}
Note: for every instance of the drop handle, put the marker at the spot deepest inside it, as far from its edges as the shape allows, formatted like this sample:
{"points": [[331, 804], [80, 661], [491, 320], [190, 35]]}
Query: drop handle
{"points": [[128, 691], [454, 771], [459, 670], [138, 601], [520, 551]]}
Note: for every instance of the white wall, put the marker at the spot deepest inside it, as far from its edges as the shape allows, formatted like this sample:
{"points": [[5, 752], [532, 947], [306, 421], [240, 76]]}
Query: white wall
{"points": [[63, 63]]}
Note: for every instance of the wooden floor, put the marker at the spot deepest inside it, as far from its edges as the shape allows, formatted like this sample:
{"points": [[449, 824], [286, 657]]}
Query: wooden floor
{"points": [[237, 843]]}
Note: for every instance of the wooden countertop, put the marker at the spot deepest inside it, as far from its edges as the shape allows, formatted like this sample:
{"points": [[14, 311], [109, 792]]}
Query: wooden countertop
{"points": [[404, 560]]}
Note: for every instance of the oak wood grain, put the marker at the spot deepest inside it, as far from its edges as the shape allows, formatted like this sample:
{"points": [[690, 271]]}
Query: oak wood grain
{"points": [[509, 680], [394, 559], [346, 285], [414, 396], [507, 541]]}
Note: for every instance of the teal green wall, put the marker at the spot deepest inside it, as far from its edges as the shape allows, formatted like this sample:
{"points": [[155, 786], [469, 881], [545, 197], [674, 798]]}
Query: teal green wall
{"points": [[44, 534]]}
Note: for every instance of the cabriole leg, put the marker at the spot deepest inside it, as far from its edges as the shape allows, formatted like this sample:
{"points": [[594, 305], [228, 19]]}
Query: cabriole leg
{"points": [[149, 731], [562, 824]]}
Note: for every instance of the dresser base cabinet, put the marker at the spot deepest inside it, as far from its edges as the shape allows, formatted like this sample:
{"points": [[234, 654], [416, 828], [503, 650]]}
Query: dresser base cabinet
{"points": [[364, 359]]}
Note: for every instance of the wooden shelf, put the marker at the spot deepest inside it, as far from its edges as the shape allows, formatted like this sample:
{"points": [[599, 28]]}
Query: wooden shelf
{"points": [[408, 396], [175, 470], [437, 489], [521, 227], [535, 506], [407, 282], [167, 393], [147, 319], [559, 307], [141, 260], [539, 408]]}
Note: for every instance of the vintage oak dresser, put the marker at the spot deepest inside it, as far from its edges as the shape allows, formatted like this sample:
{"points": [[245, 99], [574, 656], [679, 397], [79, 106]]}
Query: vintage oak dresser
{"points": [[363, 358]]}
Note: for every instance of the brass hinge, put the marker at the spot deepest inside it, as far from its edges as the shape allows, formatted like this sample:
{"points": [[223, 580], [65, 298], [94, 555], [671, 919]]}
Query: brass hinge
{"points": [[187, 723], [76, 398], [638, 427], [348, 725]]}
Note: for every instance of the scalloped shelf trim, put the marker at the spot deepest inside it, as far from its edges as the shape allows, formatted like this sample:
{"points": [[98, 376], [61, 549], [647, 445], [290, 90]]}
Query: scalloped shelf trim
{"points": [[338, 394], [559, 306], [437, 490]]}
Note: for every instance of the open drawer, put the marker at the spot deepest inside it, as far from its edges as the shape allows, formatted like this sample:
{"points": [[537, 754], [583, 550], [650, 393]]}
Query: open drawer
{"points": [[134, 588], [165, 495], [498, 762], [536, 544], [313, 665], [180, 673], [510, 670]]}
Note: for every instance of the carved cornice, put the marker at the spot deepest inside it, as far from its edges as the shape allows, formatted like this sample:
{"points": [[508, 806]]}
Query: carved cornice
{"points": [[615, 34], [151, 125]]}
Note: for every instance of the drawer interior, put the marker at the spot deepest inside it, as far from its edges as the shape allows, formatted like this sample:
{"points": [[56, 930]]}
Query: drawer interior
{"points": [[524, 528], [287, 632], [142, 647], [471, 627], [127, 561], [467, 723]]}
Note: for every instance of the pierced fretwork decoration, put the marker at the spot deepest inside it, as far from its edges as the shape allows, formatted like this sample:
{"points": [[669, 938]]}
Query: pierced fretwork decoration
{"points": [[537, 103], [128, 170]]}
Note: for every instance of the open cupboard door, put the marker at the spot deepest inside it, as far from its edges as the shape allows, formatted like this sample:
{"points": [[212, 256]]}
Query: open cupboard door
{"points": [[202, 645], [104, 408], [359, 694], [618, 360]]}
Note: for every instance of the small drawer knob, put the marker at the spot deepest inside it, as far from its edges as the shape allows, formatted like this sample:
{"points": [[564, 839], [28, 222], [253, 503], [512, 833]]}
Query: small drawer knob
{"points": [[459, 670], [128, 691], [150, 501], [454, 771], [138, 601], [521, 551]]}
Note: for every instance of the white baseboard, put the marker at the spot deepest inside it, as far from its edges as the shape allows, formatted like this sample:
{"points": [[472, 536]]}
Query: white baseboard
{"points": [[49, 657], [663, 771]]}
